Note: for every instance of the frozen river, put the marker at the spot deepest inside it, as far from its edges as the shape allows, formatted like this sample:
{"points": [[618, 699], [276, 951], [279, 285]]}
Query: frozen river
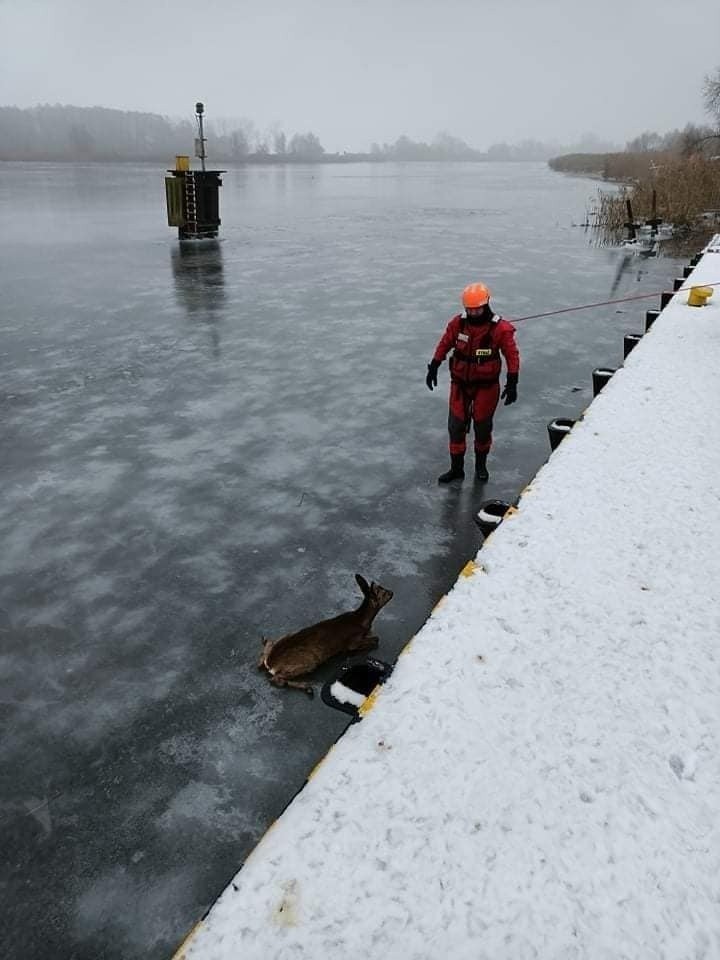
{"points": [[201, 447]]}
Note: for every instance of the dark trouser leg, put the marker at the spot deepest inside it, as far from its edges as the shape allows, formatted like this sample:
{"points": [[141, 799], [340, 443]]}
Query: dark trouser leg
{"points": [[459, 413], [458, 421], [485, 402]]}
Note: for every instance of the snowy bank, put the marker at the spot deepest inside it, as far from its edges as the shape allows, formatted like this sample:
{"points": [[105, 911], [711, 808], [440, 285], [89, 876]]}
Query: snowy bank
{"points": [[540, 777]]}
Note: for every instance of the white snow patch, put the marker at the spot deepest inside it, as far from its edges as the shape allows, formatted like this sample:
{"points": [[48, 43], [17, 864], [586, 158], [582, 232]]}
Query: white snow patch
{"points": [[344, 694]]}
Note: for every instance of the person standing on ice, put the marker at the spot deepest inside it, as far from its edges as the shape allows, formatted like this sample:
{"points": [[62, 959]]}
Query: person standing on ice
{"points": [[477, 340]]}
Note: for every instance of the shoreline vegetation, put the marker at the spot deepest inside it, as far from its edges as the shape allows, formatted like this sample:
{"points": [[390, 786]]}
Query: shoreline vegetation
{"points": [[682, 190], [679, 182]]}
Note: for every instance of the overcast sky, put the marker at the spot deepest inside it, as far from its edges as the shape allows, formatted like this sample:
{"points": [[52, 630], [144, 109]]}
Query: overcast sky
{"points": [[354, 71]]}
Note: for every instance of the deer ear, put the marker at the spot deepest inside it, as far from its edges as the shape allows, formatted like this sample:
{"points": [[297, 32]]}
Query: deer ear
{"points": [[362, 583]]}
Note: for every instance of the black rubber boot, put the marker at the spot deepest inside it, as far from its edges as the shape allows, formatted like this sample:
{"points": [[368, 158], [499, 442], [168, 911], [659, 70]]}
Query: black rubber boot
{"points": [[481, 473], [456, 471]]}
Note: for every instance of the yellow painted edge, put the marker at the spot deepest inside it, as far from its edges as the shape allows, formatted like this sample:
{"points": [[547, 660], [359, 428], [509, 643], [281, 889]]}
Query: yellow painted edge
{"points": [[317, 766], [469, 569], [180, 952], [510, 512], [369, 702], [440, 602], [270, 827]]}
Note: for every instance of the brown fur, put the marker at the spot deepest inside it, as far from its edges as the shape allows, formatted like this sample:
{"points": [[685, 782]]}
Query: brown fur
{"points": [[297, 654]]}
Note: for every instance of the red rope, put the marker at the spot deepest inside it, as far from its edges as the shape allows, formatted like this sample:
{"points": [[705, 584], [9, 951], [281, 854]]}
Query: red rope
{"points": [[605, 303]]}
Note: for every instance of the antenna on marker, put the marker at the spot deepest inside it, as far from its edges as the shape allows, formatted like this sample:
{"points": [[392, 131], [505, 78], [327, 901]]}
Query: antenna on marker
{"points": [[193, 203], [202, 139]]}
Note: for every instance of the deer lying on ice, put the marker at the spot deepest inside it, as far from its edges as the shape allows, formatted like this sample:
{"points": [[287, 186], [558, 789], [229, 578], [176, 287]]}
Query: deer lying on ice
{"points": [[297, 654]]}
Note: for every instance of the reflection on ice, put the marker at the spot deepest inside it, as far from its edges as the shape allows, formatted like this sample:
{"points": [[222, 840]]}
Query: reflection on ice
{"points": [[197, 268]]}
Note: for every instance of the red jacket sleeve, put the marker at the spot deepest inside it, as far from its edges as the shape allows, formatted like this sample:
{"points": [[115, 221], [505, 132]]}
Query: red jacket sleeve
{"points": [[508, 347], [447, 340]]}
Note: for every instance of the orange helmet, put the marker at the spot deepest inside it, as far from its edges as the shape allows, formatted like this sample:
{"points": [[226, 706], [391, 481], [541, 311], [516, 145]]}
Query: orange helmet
{"points": [[475, 295]]}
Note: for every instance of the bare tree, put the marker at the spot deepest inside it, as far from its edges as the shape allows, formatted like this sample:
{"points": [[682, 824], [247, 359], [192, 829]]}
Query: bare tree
{"points": [[240, 145], [711, 94], [280, 143], [697, 140], [306, 146], [645, 142]]}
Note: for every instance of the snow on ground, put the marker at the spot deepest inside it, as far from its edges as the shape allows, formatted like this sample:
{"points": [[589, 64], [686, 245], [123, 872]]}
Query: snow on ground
{"points": [[541, 775]]}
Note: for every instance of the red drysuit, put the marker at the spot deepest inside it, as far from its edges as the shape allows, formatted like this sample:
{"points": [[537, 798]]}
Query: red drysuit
{"points": [[475, 375]]}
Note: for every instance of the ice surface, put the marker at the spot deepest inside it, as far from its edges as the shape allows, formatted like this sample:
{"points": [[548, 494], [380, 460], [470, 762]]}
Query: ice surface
{"points": [[177, 424], [539, 776]]}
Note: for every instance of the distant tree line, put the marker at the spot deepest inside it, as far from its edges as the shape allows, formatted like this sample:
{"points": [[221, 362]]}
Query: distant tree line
{"points": [[693, 138], [55, 132], [446, 147], [645, 154]]}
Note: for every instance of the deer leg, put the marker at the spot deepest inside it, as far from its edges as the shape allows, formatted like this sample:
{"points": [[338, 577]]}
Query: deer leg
{"points": [[295, 684], [265, 649], [299, 685], [366, 642]]}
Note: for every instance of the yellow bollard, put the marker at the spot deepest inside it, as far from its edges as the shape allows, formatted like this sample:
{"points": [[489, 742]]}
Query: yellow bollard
{"points": [[182, 164], [698, 296]]}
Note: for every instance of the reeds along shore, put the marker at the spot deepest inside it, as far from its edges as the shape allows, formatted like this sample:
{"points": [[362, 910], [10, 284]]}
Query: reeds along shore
{"points": [[622, 167], [685, 189]]}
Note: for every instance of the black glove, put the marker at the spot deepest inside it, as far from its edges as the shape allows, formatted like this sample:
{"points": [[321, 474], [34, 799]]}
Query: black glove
{"points": [[510, 391], [431, 378]]}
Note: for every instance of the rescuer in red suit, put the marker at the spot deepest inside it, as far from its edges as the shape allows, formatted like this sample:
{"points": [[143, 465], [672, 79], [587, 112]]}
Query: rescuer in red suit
{"points": [[477, 340]]}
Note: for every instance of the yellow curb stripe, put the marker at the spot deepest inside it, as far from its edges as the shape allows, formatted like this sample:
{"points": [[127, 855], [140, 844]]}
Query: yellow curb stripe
{"points": [[406, 648], [180, 952], [369, 702], [317, 766]]}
